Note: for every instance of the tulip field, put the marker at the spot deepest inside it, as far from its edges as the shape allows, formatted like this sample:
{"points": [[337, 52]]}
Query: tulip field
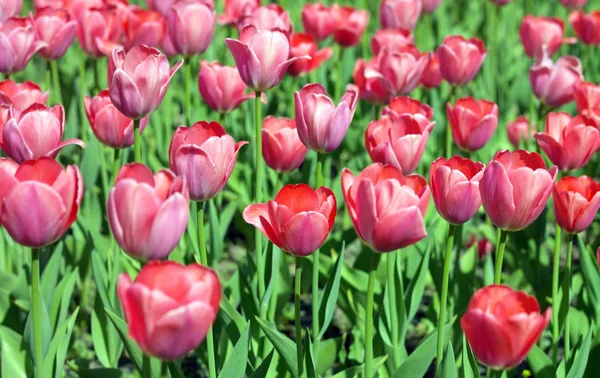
{"points": [[299, 189]]}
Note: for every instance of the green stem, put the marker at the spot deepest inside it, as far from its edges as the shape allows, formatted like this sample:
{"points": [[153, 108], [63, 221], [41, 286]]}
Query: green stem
{"points": [[567, 292], [444, 299], [146, 367], [82, 114], [555, 274], [97, 85], [297, 289], [448, 128], [391, 277], [103, 173], [56, 88], [369, 315], [137, 141], [116, 164], [500, 245], [48, 77], [210, 344], [259, 165], [36, 306], [188, 95], [315, 273], [340, 73]]}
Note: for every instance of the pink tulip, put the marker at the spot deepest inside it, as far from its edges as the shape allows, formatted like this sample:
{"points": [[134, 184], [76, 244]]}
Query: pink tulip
{"points": [[321, 125], [188, 35], [398, 140], [221, 87], [148, 214], [21, 96], [298, 220], [318, 20], [399, 14], [573, 3], [455, 188], [368, 80], [429, 6], [515, 188], [205, 155], [401, 105], [36, 132], [587, 99], [161, 6], [400, 71], [586, 26], [109, 125], [473, 122], [349, 24], [391, 39], [18, 43], [261, 57], [9, 8], [432, 77], [56, 29], [145, 27], [569, 142], [460, 59], [576, 202], [269, 17], [98, 29], [39, 200], [138, 92], [553, 83], [539, 34], [519, 130], [282, 148], [302, 44], [386, 207], [236, 10], [170, 307]]}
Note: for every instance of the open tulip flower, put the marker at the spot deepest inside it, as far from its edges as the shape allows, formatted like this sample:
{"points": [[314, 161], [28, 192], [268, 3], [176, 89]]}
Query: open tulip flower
{"points": [[473, 122], [56, 29], [302, 44], [221, 87], [576, 202], [18, 43], [144, 27], [282, 148], [21, 95], [554, 83]]}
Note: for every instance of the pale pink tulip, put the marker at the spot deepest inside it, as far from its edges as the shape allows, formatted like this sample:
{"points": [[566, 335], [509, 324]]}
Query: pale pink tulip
{"points": [[188, 35], [10, 8], [56, 29], [553, 83], [399, 14], [268, 17], [18, 43]]}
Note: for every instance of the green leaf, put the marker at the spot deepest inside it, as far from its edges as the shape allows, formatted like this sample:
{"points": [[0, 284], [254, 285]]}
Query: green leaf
{"points": [[328, 299], [13, 356], [470, 365], [100, 373], [57, 352], [105, 338], [581, 357], [235, 366], [263, 368], [132, 349], [284, 346], [328, 353], [540, 364], [9, 282], [308, 357], [591, 277], [44, 324], [233, 314], [101, 278], [61, 299], [49, 277], [357, 370], [275, 262], [216, 237], [416, 288], [448, 367]]}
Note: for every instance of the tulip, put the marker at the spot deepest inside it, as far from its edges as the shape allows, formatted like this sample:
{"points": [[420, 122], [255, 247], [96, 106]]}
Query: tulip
{"points": [[573, 3], [298, 220], [569, 142], [402, 105], [56, 29], [236, 10], [188, 35], [587, 99], [98, 29], [460, 59], [161, 6], [318, 20], [429, 6], [302, 44], [368, 81], [9, 8], [515, 188], [261, 57], [21, 96], [205, 155], [399, 14], [321, 125], [145, 27], [398, 140], [221, 87], [386, 207], [518, 130], [576, 202], [502, 325], [39, 200], [282, 148], [539, 34], [170, 307], [586, 26], [391, 39], [268, 17], [432, 77], [484, 247], [138, 92], [348, 25], [455, 188], [35, 132], [109, 125], [401, 71], [18, 43], [473, 122], [553, 83]]}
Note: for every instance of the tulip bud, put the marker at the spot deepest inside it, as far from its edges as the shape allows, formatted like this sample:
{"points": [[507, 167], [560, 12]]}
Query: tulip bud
{"points": [[282, 148], [399, 14], [518, 130], [188, 35], [473, 122], [586, 26], [576, 202], [460, 59], [539, 34], [317, 20], [221, 87], [56, 29]]}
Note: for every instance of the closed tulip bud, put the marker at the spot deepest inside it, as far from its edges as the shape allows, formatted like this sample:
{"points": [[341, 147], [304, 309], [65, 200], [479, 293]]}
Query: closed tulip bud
{"points": [[221, 87], [10, 8], [236, 10], [519, 130], [268, 17], [148, 213], [138, 80], [502, 325], [161, 6], [35, 132], [321, 125], [39, 200], [587, 99], [473, 122], [282, 148], [586, 26], [455, 188], [429, 6], [399, 14], [460, 59], [145, 27], [56, 29], [318, 20], [109, 125], [21, 96], [386, 207], [401, 105], [98, 29], [369, 82], [573, 3], [205, 155], [190, 37], [18, 43], [261, 56], [553, 83], [349, 25], [170, 307], [569, 142], [391, 39], [298, 220], [484, 246], [515, 188], [302, 44], [432, 77], [398, 140], [576, 202], [539, 34]]}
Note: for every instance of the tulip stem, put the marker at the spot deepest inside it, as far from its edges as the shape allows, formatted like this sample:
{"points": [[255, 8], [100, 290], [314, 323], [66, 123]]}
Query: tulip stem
{"points": [[258, 193], [391, 276], [369, 315], [48, 77], [555, 274], [146, 367], [188, 96], [501, 244], [567, 292], [82, 114], [315, 273], [56, 82], [297, 288], [448, 128], [36, 306], [137, 148], [444, 299]]}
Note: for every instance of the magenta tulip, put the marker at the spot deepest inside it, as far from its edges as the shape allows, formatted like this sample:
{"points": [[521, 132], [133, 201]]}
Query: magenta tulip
{"points": [[188, 35], [429, 6]]}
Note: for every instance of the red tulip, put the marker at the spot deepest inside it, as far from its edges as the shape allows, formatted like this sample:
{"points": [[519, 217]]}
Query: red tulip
{"points": [[460, 59], [539, 34], [205, 155], [188, 35], [170, 307], [302, 44], [269, 17], [401, 105], [553, 83], [391, 39], [145, 27], [21, 96], [98, 29], [473, 122], [109, 125], [138, 80], [18, 43], [349, 24], [586, 26], [518, 130], [515, 188], [35, 132], [576, 202], [573, 3], [39, 200], [502, 325], [399, 14], [318, 20], [398, 140], [235, 10], [298, 220], [484, 247], [148, 214], [321, 125], [282, 148], [569, 142], [432, 77], [429, 6], [587, 99], [221, 87], [386, 207], [10, 8]]}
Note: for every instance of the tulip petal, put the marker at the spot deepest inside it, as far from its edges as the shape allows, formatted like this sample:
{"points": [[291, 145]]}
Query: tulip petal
{"points": [[399, 230], [497, 195], [170, 222], [304, 233]]}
